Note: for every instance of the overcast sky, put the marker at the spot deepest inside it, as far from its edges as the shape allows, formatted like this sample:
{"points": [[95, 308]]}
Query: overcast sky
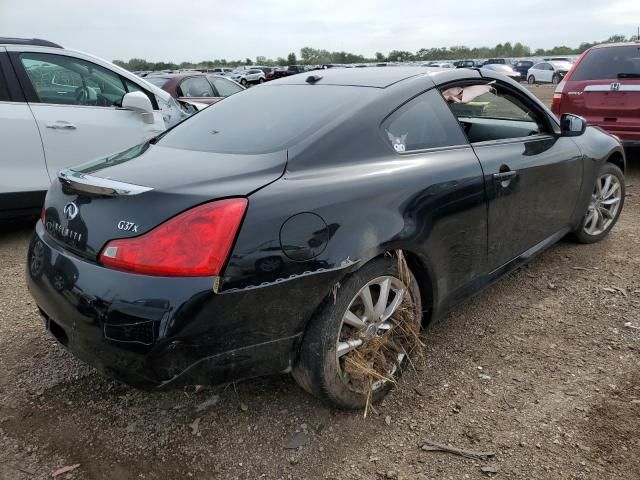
{"points": [[195, 30]]}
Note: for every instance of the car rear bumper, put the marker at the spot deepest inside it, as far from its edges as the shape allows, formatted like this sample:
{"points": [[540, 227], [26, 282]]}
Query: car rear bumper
{"points": [[163, 331]]}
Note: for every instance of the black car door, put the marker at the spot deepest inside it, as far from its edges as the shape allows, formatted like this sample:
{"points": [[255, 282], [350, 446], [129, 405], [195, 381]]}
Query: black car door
{"points": [[532, 176]]}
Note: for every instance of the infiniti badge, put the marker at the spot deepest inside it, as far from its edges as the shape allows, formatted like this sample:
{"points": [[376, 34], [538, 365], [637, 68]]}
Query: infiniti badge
{"points": [[70, 211]]}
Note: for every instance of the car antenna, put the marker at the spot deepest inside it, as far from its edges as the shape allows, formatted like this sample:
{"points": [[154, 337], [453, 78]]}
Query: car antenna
{"points": [[313, 78]]}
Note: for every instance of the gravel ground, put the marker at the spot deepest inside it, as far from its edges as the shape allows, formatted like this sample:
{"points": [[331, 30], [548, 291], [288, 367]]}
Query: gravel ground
{"points": [[540, 369]]}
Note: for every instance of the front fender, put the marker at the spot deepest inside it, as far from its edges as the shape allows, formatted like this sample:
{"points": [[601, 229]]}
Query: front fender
{"points": [[597, 147]]}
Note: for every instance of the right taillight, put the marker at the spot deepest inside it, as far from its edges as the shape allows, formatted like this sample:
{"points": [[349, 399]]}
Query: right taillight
{"points": [[195, 243]]}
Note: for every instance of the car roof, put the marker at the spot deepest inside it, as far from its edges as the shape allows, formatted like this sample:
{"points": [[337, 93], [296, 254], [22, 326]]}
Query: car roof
{"points": [[620, 44], [361, 77], [38, 42], [176, 75]]}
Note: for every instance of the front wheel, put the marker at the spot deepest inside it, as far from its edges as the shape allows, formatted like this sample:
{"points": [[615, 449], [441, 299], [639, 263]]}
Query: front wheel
{"points": [[605, 206], [531, 80], [356, 346], [243, 82]]}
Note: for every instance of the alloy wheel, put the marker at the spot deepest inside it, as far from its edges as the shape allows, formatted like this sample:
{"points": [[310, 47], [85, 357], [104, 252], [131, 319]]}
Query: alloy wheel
{"points": [[366, 329], [604, 205]]}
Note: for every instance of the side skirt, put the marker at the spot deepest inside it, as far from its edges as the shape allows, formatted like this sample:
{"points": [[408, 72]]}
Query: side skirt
{"points": [[484, 281]]}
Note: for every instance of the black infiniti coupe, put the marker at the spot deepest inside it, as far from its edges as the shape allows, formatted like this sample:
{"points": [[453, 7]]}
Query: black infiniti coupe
{"points": [[312, 225]]}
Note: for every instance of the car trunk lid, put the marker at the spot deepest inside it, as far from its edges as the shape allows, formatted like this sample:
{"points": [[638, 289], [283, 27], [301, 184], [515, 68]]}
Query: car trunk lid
{"points": [[132, 192]]}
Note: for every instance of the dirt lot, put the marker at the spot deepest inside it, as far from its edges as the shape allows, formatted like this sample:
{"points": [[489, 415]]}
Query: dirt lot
{"points": [[542, 369]]}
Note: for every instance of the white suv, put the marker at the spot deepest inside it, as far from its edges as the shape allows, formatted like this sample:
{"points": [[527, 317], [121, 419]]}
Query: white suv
{"points": [[249, 75], [59, 108]]}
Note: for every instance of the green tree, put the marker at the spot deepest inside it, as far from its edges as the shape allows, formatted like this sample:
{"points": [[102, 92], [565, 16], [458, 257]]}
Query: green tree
{"points": [[400, 56], [291, 58]]}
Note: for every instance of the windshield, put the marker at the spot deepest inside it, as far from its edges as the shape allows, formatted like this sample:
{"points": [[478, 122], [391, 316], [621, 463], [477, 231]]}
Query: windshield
{"points": [[157, 81], [608, 63], [265, 119]]}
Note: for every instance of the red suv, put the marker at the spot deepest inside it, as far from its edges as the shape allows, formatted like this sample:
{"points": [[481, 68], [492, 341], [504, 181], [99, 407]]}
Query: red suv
{"points": [[604, 87]]}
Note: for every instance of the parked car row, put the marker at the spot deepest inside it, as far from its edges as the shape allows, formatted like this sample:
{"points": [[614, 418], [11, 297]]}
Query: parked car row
{"points": [[236, 244]]}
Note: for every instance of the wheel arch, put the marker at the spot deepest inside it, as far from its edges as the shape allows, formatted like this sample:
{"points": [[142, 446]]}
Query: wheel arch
{"points": [[618, 159], [420, 268]]}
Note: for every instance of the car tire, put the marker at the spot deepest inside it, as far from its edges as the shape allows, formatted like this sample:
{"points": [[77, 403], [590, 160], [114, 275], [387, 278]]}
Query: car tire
{"points": [[320, 370], [531, 80], [605, 206], [261, 80], [555, 80], [243, 82]]}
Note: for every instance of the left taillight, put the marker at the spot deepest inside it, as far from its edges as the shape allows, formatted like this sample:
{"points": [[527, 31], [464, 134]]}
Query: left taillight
{"points": [[557, 98], [193, 244]]}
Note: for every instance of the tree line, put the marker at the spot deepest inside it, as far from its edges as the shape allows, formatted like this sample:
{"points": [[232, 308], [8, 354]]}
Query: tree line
{"points": [[314, 56]]}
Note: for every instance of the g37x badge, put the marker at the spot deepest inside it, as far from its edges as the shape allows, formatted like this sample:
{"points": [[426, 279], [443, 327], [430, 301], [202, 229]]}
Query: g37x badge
{"points": [[127, 226]]}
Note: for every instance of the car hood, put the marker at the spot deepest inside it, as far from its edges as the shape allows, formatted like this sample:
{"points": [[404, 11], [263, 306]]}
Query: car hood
{"points": [[145, 186]]}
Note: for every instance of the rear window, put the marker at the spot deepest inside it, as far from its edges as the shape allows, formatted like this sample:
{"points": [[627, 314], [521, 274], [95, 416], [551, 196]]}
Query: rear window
{"points": [[609, 63], [157, 81], [265, 119]]}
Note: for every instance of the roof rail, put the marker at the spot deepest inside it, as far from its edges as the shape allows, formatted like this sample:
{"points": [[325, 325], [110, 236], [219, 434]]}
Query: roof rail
{"points": [[37, 42]]}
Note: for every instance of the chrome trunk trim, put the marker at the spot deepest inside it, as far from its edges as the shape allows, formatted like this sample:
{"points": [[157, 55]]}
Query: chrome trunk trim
{"points": [[612, 87], [99, 186]]}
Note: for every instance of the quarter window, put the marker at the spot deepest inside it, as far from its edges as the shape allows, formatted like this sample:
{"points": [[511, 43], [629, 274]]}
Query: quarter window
{"points": [[70, 81], [486, 112], [423, 122], [196, 87]]}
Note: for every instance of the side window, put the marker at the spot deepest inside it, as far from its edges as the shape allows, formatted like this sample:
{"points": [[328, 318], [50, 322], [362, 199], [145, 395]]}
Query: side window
{"points": [[424, 122], [70, 81], [487, 112], [196, 87], [4, 90], [225, 87]]}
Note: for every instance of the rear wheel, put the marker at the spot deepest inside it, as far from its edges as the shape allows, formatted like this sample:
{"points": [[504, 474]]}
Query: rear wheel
{"points": [[261, 80], [555, 80], [358, 343], [531, 80], [605, 206]]}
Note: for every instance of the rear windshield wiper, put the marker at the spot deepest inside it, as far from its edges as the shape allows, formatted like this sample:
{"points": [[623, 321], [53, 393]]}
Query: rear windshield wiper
{"points": [[629, 75]]}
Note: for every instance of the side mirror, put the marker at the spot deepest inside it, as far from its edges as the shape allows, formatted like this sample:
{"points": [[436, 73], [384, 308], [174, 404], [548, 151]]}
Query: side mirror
{"points": [[572, 125], [139, 102]]}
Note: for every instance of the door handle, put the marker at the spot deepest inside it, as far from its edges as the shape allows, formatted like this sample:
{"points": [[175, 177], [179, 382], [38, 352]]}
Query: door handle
{"points": [[505, 176], [61, 126]]}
